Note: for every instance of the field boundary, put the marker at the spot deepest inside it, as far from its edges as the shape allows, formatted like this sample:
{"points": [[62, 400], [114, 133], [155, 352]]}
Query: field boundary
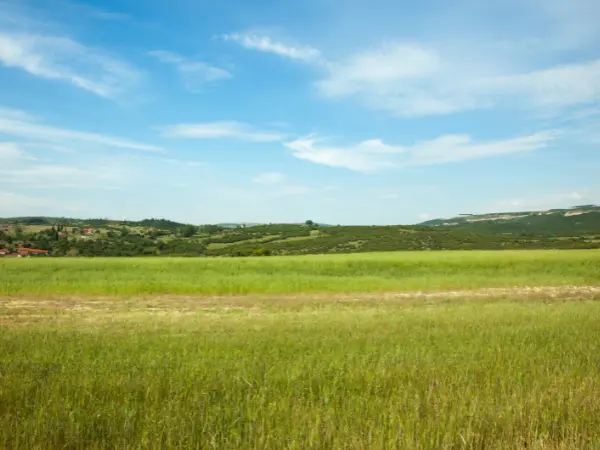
{"points": [[27, 305]]}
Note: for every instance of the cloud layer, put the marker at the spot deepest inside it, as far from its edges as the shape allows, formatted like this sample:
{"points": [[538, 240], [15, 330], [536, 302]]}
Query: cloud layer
{"points": [[194, 74], [220, 130], [374, 155], [63, 59], [20, 124], [412, 80], [266, 44]]}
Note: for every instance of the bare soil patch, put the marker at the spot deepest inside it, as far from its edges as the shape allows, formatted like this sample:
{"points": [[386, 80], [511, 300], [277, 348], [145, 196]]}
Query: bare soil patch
{"points": [[28, 309]]}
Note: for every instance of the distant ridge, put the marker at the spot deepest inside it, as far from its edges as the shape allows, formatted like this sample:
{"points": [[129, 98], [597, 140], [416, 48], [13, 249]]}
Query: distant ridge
{"points": [[578, 220]]}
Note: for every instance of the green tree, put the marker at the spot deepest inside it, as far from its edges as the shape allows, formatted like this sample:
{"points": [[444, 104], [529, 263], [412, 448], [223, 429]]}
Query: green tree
{"points": [[188, 231], [18, 231], [211, 229]]}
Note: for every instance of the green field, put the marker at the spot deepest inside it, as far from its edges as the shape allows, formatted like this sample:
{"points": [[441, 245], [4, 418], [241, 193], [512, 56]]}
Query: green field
{"points": [[370, 272], [329, 352]]}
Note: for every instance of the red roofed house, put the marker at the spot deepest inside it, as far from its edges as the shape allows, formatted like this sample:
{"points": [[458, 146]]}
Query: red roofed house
{"points": [[23, 251], [4, 251]]}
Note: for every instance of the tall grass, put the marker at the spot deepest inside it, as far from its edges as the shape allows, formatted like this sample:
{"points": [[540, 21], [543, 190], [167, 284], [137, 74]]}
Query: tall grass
{"points": [[375, 272], [485, 374]]}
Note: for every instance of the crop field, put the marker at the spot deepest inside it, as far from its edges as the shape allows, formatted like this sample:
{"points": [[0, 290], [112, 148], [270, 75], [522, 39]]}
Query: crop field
{"points": [[448, 350], [369, 272]]}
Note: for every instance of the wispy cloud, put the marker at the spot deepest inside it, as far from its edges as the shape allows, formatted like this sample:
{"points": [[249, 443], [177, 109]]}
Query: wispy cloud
{"points": [[416, 80], [374, 155], [556, 87], [269, 178], [194, 74], [11, 152], [55, 176], [390, 64], [266, 44], [63, 59], [16, 204], [184, 163], [412, 79], [18, 123], [220, 130], [456, 148], [362, 157]]}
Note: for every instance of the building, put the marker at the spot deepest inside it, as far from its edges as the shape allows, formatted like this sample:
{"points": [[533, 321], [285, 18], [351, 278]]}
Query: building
{"points": [[4, 251], [23, 251]]}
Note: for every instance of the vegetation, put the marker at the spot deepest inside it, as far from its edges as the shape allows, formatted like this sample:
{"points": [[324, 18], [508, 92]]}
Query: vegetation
{"points": [[367, 272], [495, 373], [328, 351], [159, 237], [579, 221]]}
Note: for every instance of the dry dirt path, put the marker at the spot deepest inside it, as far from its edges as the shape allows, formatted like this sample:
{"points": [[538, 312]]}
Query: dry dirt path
{"points": [[26, 305]]}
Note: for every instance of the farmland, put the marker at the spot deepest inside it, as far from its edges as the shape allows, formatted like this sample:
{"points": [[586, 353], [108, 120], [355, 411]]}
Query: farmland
{"points": [[160, 237], [365, 351], [368, 272]]}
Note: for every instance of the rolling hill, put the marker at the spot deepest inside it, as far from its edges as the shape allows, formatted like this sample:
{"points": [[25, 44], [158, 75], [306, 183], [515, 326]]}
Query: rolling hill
{"points": [[557, 229], [577, 221]]}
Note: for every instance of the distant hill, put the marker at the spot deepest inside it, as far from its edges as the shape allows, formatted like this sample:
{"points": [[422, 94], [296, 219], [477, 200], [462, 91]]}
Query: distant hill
{"points": [[554, 229], [237, 224], [70, 221], [576, 221], [288, 239]]}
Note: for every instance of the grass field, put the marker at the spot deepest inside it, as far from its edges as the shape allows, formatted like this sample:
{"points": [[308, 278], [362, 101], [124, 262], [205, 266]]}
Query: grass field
{"points": [[375, 272], [307, 361]]}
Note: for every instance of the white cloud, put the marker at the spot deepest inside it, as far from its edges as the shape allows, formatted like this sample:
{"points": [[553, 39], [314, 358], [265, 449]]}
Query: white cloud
{"points": [[56, 176], [220, 130], [561, 86], [362, 157], [182, 162], [455, 148], [195, 74], [374, 155], [382, 68], [267, 45], [11, 152], [269, 178], [415, 80], [63, 59], [15, 123]]}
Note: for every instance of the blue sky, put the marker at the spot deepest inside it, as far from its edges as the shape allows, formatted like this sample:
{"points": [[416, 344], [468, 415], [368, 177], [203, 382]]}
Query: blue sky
{"points": [[338, 111]]}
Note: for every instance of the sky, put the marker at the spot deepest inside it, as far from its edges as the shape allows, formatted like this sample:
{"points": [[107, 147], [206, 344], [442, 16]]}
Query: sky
{"points": [[336, 111]]}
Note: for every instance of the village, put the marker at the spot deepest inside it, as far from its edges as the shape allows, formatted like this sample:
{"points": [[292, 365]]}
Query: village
{"points": [[22, 252]]}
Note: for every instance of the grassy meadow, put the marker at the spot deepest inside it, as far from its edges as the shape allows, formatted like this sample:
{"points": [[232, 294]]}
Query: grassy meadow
{"points": [[367, 272], [100, 353]]}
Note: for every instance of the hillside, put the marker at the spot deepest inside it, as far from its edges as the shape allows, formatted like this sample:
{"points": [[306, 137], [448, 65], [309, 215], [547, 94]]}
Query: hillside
{"points": [[577, 221], [160, 237]]}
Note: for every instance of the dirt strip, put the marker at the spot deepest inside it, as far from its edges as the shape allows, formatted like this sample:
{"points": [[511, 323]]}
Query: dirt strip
{"points": [[156, 303]]}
